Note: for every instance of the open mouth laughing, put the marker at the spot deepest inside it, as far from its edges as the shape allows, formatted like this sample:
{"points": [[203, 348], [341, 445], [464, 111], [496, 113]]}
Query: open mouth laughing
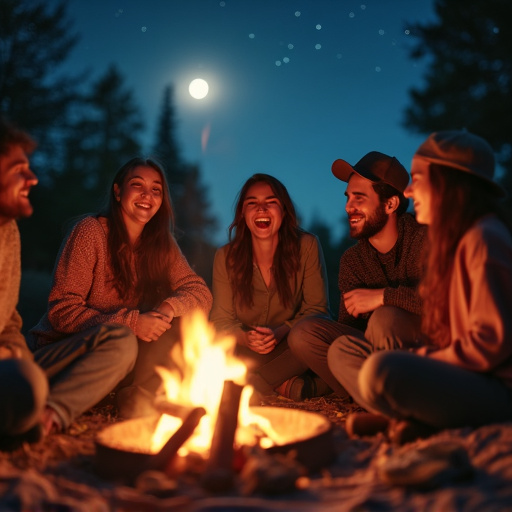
{"points": [[262, 222]]}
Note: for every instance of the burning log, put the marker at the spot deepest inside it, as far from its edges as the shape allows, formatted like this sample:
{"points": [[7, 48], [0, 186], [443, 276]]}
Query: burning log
{"points": [[219, 473], [172, 409], [114, 461]]}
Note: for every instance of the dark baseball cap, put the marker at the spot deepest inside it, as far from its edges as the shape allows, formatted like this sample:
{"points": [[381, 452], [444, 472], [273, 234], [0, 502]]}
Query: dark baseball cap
{"points": [[376, 167]]}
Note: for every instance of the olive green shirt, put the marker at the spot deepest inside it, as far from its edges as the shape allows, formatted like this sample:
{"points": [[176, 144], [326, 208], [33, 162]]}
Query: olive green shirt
{"points": [[309, 295]]}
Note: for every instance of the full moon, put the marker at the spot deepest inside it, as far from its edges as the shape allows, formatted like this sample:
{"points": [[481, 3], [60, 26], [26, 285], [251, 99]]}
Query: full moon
{"points": [[198, 88]]}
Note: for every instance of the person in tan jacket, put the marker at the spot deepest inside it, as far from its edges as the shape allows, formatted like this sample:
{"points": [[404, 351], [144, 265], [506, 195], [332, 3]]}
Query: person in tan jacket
{"points": [[23, 385]]}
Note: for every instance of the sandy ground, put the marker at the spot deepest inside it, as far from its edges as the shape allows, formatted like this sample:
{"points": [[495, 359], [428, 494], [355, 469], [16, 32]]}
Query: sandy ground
{"points": [[474, 472]]}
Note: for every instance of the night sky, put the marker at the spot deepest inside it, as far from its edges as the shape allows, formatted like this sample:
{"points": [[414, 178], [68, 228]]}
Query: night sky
{"points": [[294, 84]]}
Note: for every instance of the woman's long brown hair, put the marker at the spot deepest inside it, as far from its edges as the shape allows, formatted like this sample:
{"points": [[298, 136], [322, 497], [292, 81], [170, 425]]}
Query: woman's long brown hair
{"points": [[152, 253], [457, 202], [239, 259]]}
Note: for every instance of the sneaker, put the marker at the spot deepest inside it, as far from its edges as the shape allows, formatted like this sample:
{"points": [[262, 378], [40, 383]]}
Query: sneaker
{"points": [[295, 388], [302, 387]]}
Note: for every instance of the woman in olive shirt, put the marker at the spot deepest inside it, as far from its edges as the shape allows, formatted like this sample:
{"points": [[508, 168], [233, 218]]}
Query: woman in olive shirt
{"points": [[269, 275]]}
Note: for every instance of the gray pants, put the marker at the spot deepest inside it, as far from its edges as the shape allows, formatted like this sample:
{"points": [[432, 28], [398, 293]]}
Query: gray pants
{"points": [[404, 385], [335, 352], [23, 393], [86, 366]]}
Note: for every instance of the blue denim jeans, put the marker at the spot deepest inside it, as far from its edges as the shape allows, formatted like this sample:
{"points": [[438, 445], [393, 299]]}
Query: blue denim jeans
{"points": [[86, 366], [23, 393]]}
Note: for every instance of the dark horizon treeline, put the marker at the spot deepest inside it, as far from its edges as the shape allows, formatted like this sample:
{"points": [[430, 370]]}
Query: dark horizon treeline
{"points": [[87, 128]]}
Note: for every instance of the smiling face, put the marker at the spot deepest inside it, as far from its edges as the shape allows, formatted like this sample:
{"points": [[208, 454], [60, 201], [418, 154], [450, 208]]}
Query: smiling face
{"points": [[366, 212], [263, 212], [420, 190], [140, 197], [16, 180]]}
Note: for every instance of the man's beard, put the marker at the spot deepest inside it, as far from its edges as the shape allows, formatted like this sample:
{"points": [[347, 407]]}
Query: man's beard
{"points": [[371, 225]]}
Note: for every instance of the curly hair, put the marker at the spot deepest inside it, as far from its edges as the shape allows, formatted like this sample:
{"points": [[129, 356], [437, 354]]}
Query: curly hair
{"points": [[239, 259]]}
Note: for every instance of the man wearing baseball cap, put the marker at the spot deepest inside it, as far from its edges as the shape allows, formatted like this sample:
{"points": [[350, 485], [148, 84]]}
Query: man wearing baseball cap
{"points": [[378, 276], [463, 377]]}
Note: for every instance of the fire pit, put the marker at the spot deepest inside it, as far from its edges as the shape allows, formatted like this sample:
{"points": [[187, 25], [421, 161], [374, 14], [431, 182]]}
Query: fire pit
{"points": [[205, 410], [120, 455], [309, 434]]}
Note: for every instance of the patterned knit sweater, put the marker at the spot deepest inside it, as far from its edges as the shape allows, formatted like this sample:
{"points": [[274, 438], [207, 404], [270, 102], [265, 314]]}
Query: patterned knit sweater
{"points": [[82, 295], [398, 271], [10, 276]]}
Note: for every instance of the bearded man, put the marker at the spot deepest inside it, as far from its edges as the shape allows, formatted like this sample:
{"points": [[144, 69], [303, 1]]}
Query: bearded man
{"points": [[378, 276]]}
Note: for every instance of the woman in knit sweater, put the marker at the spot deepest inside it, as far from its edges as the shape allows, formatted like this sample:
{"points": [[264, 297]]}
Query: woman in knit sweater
{"points": [[119, 270]]}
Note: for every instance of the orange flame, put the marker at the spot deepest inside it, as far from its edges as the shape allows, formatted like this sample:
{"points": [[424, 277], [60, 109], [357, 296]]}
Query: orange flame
{"points": [[206, 361]]}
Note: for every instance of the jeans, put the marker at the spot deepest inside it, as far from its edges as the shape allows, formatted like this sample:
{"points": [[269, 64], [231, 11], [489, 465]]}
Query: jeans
{"points": [[335, 352], [23, 393], [86, 366], [404, 385], [389, 328], [309, 341]]}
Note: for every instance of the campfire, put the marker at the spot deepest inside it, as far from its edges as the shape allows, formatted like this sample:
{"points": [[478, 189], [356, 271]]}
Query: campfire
{"points": [[206, 418]]}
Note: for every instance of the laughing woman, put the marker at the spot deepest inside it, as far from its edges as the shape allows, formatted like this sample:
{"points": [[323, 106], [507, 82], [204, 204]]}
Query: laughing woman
{"points": [[120, 272], [269, 275]]}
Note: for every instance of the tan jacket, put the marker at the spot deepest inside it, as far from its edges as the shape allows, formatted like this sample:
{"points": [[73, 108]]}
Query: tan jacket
{"points": [[10, 277], [481, 302], [309, 292]]}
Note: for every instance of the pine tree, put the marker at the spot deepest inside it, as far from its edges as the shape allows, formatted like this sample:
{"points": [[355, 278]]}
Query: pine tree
{"points": [[105, 135], [35, 40], [194, 223], [469, 80]]}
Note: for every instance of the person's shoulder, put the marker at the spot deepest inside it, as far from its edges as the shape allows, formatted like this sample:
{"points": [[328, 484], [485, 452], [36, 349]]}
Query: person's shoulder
{"points": [[356, 251], [411, 226], [308, 239], [221, 252], [86, 228], [88, 223], [10, 229], [490, 228], [9, 234]]}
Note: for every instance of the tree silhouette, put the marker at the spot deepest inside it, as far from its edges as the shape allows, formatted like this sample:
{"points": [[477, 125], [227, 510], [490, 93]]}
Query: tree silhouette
{"points": [[35, 41], [103, 137], [469, 79], [332, 254], [194, 223]]}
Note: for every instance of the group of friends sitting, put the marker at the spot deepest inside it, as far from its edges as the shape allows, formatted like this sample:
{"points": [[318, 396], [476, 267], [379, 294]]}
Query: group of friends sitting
{"points": [[422, 340]]}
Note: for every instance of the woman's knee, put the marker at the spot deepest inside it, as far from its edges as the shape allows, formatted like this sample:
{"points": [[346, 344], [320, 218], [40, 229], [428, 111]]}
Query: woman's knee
{"points": [[299, 333], [121, 340], [390, 327], [308, 332], [374, 375]]}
